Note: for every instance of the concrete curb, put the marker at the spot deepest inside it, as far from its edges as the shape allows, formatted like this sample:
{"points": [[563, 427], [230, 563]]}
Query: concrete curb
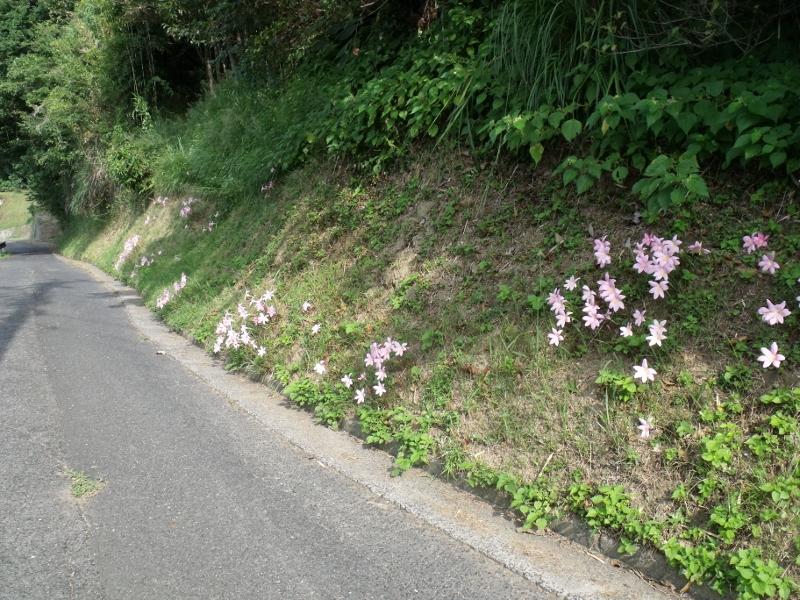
{"points": [[559, 566]]}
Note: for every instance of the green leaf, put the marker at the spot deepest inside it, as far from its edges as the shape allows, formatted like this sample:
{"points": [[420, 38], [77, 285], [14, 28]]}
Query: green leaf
{"points": [[687, 166], [619, 174], [555, 118], [536, 150], [686, 121], [658, 166], [714, 88], [697, 185], [571, 129], [777, 158], [583, 183]]}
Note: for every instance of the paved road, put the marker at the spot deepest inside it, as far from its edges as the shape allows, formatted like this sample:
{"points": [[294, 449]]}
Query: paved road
{"points": [[199, 500]]}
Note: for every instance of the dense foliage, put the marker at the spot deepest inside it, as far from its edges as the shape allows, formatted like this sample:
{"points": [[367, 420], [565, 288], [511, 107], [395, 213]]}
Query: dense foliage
{"points": [[647, 93]]}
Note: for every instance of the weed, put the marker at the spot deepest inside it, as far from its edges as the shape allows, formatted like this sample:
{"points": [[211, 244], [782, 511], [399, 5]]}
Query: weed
{"points": [[83, 486]]}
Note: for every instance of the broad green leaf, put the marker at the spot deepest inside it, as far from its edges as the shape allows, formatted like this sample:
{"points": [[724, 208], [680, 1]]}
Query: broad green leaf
{"points": [[536, 150], [686, 121], [777, 158], [555, 118], [571, 129], [697, 185], [658, 166], [583, 183], [687, 166]]}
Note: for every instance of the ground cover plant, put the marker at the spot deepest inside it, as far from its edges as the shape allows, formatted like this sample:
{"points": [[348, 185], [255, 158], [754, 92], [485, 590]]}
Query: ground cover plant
{"points": [[552, 245], [310, 284]]}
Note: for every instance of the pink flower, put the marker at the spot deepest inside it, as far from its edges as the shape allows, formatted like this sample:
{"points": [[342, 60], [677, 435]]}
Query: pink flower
{"points": [[754, 242], [379, 389], [626, 331], [642, 264], [555, 337], [770, 357], [218, 345], [593, 320], [768, 264], [320, 367], [380, 374], [644, 428], [644, 372], [562, 318], [648, 239], [697, 248], [774, 313], [130, 245], [638, 316], [601, 252], [232, 339], [556, 301], [610, 293], [571, 283], [347, 381], [657, 332], [268, 295], [399, 348], [359, 398], [658, 288]]}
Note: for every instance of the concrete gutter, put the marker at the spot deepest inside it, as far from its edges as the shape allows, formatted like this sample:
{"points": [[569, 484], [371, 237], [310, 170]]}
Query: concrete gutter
{"points": [[564, 568]]}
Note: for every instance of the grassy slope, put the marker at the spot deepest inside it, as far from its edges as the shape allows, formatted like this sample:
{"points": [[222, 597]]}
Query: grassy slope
{"points": [[14, 214], [455, 260]]}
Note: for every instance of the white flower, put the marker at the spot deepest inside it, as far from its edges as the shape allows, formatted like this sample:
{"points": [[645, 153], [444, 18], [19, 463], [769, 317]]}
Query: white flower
{"points": [[644, 372], [770, 357], [320, 367], [555, 337], [657, 332]]}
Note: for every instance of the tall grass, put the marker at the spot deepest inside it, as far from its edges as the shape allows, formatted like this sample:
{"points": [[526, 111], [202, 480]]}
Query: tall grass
{"points": [[235, 141], [563, 51]]}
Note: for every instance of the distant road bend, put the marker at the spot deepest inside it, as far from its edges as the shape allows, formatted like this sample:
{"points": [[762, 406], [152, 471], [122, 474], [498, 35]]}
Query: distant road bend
{"points": [[198, 499]]}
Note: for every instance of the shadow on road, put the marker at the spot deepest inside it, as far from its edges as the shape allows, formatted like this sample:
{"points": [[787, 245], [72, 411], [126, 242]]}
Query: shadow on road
{"points": [[29, 247], [16, 306], [124, 299]]}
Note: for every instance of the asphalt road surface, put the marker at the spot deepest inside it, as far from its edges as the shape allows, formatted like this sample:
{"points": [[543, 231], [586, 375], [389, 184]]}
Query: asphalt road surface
{"points": [[198, 499]]}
